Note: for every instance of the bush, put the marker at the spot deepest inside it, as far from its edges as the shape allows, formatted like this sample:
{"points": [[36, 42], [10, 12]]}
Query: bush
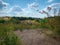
{"points": [[7, 36], [54, 24]]}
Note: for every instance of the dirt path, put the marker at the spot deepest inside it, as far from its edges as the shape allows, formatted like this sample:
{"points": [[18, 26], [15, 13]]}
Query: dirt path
{"points": [[34, 37]]}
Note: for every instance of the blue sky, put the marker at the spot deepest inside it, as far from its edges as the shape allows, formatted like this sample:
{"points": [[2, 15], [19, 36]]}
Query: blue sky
{"points": [[26, 8]]}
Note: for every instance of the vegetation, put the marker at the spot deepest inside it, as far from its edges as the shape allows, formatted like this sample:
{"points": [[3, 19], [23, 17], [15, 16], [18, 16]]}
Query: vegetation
{"points": [[9, 24], [21, 22], [7, 37], [53, 25]]}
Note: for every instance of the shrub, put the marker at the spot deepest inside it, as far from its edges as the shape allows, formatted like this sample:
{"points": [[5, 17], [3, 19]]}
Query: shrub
{"points": [[7, 36]]}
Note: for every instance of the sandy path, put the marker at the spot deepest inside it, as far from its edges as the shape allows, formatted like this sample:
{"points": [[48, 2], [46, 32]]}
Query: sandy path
{"points": [[33, 37]]}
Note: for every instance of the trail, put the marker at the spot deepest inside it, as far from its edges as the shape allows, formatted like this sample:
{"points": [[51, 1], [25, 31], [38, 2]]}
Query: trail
{"points": [[35, 37]]}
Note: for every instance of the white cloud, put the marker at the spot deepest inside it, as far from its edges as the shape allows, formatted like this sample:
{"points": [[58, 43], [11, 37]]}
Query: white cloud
{"points": [[15, 9], [50, 0], [25, 12], [18, 11], [28, 11], [55, 5], [3, 5], [3, 8], [33, 5]]}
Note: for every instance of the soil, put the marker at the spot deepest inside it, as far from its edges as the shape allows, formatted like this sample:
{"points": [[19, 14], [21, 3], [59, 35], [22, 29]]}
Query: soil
{"points": [[35, 37]]}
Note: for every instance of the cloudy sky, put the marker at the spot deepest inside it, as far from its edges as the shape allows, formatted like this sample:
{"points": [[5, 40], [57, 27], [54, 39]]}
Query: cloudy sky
{"points": [[26, 8]]}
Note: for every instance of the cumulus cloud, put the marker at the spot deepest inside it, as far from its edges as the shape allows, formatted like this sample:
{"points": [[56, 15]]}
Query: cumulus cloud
{"points": [[52, 6], [28, 11], [55, 5], [3, 8], [2, 4], [50, 0], [33, 5], [15, 10]]}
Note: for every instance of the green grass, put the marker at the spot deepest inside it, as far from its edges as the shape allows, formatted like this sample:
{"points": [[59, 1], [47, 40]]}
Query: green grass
{"points": [[7, 27], [7, 37]]}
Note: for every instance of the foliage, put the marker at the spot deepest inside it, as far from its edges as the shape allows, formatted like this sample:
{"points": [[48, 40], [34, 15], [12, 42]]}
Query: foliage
{"points": [[20, 23], [7, 37], [54, 24]]}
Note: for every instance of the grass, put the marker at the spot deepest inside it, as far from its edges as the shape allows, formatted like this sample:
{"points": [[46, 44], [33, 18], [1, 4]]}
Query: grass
{"points": [[7, 27], [7, 37]]}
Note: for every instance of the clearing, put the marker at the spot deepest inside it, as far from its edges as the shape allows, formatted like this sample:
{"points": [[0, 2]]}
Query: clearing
{"points": [[35, 37]]}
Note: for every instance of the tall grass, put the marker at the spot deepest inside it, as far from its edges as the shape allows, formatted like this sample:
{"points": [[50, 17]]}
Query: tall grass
{"points": [[7, 37]]}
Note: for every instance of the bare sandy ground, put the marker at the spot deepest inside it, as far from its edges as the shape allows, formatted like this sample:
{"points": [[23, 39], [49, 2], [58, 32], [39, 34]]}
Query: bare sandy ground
{"points": [[35, 37]]}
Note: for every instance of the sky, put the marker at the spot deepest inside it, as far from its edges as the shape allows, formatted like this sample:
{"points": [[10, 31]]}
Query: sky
{"points": [[27, 8]]}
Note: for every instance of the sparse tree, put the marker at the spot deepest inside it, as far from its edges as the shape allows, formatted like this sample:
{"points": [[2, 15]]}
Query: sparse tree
{"points": [[55, 12], [49, 9], [59, 12], [44, 12]]}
